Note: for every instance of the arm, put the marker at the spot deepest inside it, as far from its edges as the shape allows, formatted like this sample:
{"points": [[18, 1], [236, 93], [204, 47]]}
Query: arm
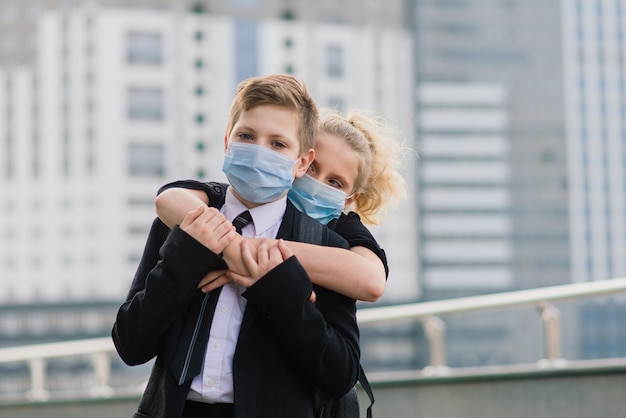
{"points": [[357, 273]]}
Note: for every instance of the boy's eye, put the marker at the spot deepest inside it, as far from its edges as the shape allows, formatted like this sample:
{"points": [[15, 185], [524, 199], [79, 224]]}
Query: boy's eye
{"points": [[245, 137], [278, 144]]}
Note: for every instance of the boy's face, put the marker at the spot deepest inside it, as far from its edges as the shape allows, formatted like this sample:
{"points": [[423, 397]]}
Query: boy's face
{"points": [[275, 128]]}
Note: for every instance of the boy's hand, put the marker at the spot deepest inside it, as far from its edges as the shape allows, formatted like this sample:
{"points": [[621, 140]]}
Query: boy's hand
{"points": [[268, 256], [209, 227]]}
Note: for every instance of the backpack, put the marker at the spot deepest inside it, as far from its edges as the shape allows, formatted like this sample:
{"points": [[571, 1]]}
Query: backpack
{"points": [[310, 231]]}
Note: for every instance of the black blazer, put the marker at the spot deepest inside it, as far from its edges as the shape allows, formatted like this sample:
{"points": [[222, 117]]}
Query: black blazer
{"points": [[286, 347]]}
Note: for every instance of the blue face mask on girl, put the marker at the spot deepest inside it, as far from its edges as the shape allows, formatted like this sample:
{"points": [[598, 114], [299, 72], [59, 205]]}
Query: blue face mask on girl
{"points": [[258, 174], [318, 200]]}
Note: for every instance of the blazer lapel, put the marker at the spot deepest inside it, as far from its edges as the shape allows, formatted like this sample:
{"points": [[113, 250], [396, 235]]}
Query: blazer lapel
{"points": [[189, 354]]}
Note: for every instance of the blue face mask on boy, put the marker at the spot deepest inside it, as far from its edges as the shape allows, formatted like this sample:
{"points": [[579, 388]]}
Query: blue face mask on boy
{"points": [[259, 174], [318, 200]]}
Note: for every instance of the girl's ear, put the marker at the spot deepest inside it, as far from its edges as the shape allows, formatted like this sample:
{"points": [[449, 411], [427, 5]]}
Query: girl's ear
{"points": [[350, 200], [303, 163]]}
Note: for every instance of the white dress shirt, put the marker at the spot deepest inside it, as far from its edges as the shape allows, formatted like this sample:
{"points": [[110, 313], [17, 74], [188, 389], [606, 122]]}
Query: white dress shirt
{"points": [[215, 382]]}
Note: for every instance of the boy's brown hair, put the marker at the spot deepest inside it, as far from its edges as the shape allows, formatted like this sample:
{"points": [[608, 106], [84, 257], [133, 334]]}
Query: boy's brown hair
{"points": [[280, 90]]}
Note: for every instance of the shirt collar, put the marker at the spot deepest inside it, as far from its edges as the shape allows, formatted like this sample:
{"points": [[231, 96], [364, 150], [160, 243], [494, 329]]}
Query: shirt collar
{"points": [[263, 217]]}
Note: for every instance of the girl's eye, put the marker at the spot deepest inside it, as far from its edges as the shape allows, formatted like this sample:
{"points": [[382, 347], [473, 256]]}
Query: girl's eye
{"points": [[245, 137], [335, 183]]}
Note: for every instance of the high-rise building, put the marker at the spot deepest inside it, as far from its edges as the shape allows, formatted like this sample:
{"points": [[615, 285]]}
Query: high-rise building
{"points": [[594, 58], [516, 47], [493, 197]]}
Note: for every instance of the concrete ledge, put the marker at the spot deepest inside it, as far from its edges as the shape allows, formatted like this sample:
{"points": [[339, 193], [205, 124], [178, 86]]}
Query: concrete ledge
{"points": [[589, 389]]}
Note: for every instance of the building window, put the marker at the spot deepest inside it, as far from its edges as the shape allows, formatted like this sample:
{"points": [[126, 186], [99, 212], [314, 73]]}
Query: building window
{"points": [[145, 104], [144, 48], [146, 160], [198, 8], [288, 15], [334, 61]]}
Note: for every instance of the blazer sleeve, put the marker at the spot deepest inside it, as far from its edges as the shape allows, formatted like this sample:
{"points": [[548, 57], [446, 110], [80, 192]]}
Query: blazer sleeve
{"points": [[322, 338], [172, 265]]}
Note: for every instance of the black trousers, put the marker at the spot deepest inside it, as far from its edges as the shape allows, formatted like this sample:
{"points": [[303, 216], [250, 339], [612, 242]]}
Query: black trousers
{"points": [[195, 409]]}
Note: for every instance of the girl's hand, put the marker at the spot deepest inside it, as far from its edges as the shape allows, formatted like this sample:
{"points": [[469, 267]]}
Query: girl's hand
{"points": [[209, 227], [213, 280]]}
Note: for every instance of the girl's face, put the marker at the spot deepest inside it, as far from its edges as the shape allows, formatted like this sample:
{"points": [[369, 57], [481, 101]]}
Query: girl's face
{"points": [[336, 164]]}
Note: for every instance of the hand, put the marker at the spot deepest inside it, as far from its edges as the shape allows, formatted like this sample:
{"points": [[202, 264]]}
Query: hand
{"points": [[269, 255], [233, 257], [209, 227], [213, 280]]}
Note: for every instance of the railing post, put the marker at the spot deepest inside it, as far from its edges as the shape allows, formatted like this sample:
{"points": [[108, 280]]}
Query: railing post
{"points": [[435, 330], [101, 363], [37, 392], [551, 320]]}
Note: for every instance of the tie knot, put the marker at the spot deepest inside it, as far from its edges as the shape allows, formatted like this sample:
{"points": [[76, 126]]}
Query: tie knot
{"points": [[243, 219]]}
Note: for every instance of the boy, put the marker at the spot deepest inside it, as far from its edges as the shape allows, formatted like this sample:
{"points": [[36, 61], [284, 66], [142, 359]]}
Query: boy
{"points": [[257, 351]]}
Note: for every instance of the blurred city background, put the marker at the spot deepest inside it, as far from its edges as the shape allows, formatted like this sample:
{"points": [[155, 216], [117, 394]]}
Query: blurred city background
{"points": [[516, 110]]}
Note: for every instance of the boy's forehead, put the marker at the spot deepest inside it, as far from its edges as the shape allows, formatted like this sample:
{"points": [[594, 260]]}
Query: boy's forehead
{"points": [[272, 120]]}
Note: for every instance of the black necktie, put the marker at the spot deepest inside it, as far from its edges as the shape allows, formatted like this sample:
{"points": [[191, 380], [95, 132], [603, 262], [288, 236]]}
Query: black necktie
{"points": [[243, 219]]}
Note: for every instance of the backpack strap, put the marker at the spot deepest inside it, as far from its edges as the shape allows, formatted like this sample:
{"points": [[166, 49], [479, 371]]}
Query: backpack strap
{"points": [[367, 388], [308, 230]]}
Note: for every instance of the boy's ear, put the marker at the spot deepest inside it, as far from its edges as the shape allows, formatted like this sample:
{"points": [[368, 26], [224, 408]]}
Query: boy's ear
{"points": [[303, 163], [225, 143]]}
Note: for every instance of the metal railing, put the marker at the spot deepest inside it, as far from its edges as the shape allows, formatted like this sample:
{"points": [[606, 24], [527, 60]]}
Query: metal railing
{"points": [[100, 349], [37, 355], [429, 313]]}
